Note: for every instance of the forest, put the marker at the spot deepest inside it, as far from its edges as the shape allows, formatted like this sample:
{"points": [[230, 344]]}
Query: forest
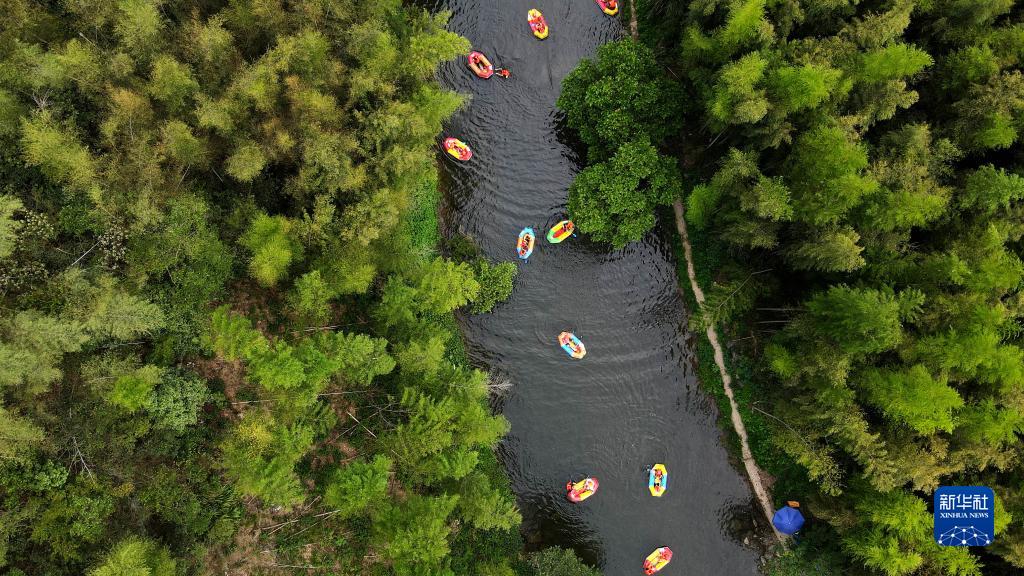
{"points": [[227, 342], [852, 179]]}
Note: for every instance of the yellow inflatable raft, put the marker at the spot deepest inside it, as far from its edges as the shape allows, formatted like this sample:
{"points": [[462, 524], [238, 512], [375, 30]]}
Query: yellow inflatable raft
{"points": [[538, 24]]}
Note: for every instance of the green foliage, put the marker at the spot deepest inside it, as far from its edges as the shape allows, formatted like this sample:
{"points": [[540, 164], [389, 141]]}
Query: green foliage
{"points": [[619, 98], [614, 201], [487, 508], [356, 358], [422, 357], [802, 561], [443, 286], [34, 346], [433, 288], [495, 284], [246, 162], [892, 62], [73, 518], [183, 145], [859, 320], [171, 82], [136, 557], [834, 250], [556, 561], [413, 533], [138, 24], [826, 175], [745, 24], [155, 401], [311, 298], [273, 249], [359, 487], [260, 457], [232, 336], [133, 391], [176, 402], [8, 226], [796, 88], [700, 205], [988, 190], [121, 316], [58, 153], [735, 99], [913, 397], [21, 437]]}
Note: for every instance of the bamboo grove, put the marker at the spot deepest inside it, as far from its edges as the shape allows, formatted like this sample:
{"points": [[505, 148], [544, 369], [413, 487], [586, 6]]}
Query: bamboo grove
{"points": [[852, 179], [226, 337]]}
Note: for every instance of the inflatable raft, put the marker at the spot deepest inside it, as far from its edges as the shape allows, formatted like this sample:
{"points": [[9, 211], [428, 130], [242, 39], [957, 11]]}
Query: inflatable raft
{"points": [[480, 65], [580, 491], [538, 24], [457, 148], [609, 7], [572, 345], [524, 246], [657, 560], [561, 231], [658, 481]]}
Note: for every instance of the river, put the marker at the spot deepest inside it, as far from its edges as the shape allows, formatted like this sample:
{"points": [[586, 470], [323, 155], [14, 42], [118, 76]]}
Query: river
{"points": [[634, 400]]}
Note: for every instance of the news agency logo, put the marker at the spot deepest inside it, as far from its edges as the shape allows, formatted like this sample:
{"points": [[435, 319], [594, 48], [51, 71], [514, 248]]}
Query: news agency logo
{"points": [[964, 516]]}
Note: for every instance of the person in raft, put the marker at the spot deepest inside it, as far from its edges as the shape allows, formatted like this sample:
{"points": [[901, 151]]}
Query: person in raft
{"points": [[537, 23], [503, 72], [479, 61], [657, 478], [588, 484]]}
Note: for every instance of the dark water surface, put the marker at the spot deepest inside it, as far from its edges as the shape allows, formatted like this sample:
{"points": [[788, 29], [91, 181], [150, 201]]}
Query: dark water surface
{"points": [[634, 399]]}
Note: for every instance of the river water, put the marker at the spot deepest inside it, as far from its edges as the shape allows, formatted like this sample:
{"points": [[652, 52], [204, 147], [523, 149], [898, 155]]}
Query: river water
{"points": [[634, 400]]}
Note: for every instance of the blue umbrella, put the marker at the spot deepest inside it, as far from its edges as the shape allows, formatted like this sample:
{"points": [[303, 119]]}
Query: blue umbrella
{"points": [[788, 520]]}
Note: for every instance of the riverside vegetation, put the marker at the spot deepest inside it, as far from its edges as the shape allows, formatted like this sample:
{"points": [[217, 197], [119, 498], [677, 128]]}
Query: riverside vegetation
{"points": [[226, 337], [852, 179]]}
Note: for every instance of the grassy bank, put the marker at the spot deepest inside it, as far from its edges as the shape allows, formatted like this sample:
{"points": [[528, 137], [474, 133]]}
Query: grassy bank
{"points": [[424, 227]]}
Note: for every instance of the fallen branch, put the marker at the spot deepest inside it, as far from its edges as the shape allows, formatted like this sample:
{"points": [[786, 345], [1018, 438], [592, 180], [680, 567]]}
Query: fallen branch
{"points": [[81, 458]]}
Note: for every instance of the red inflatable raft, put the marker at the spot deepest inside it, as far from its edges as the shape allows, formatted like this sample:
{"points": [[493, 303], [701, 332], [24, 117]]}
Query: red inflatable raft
{"points": [[609, 7], [657, 560], [480, 65]]}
